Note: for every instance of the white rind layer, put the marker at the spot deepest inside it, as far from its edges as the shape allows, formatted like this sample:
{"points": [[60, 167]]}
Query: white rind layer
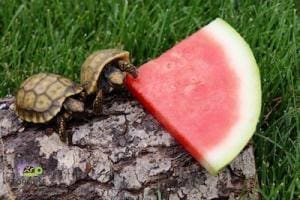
{"points": [[242, 61]]}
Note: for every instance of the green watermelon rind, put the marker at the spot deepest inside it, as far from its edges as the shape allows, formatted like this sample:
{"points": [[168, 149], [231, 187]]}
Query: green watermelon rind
{"points": [[248, 70]]}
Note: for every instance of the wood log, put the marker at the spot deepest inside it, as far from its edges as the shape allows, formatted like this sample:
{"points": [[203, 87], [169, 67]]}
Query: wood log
{"points": [[125, 155]]}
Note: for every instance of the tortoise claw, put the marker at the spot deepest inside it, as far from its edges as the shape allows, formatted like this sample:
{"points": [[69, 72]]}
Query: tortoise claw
{"points": [[128, 67]]}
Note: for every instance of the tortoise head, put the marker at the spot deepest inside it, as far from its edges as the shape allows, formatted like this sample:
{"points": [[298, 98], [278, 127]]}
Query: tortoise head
{"points": [[73, 105], [114, 76]]}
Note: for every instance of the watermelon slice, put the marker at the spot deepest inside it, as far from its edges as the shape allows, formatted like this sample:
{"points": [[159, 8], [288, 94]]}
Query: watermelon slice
{"points": [[206, 92]]}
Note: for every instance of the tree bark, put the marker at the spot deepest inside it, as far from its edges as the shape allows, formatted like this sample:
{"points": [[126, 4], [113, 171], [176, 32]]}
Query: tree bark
{"points": [[125, 155]]}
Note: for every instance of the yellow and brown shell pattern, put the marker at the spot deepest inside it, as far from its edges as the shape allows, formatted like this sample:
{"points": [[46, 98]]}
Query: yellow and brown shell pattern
{"points": [[41, 96], [95, 63]]}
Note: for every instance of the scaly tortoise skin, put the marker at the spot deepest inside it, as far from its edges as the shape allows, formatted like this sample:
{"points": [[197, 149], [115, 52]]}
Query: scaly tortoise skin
{"points": [[102, 71], [42, 96]]}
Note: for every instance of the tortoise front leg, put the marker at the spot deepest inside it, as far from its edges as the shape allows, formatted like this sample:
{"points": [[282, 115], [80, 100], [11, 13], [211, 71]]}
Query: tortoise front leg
{"points": [[98, 103], [82, 96], [61, 127], [128, 67]]}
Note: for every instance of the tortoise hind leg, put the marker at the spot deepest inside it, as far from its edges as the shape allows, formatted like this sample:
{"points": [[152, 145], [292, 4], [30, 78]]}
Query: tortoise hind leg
{"points": [[128, 67], [98, 103]]}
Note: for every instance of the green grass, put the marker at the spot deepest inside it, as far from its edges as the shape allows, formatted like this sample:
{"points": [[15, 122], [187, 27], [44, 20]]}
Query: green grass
{"points": [[56, 36]]}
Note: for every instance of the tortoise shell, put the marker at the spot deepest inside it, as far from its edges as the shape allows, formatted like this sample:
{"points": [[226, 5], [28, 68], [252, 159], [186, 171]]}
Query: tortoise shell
{"points": [[41, 96], [95, 63]]}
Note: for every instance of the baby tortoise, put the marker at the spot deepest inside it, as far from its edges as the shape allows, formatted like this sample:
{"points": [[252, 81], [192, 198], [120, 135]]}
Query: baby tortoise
{"points": [[44, 96], [104, 70]]}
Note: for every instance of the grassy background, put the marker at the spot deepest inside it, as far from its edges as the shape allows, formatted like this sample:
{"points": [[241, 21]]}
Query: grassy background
{"points": [[55, 36]]}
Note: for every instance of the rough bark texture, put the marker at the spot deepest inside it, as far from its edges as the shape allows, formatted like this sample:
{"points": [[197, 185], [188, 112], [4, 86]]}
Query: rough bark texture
{"points": [[121, 156]]}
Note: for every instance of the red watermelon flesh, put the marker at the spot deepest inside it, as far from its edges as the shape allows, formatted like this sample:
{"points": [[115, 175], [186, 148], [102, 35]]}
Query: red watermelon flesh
{"points": [[206, 92]]}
